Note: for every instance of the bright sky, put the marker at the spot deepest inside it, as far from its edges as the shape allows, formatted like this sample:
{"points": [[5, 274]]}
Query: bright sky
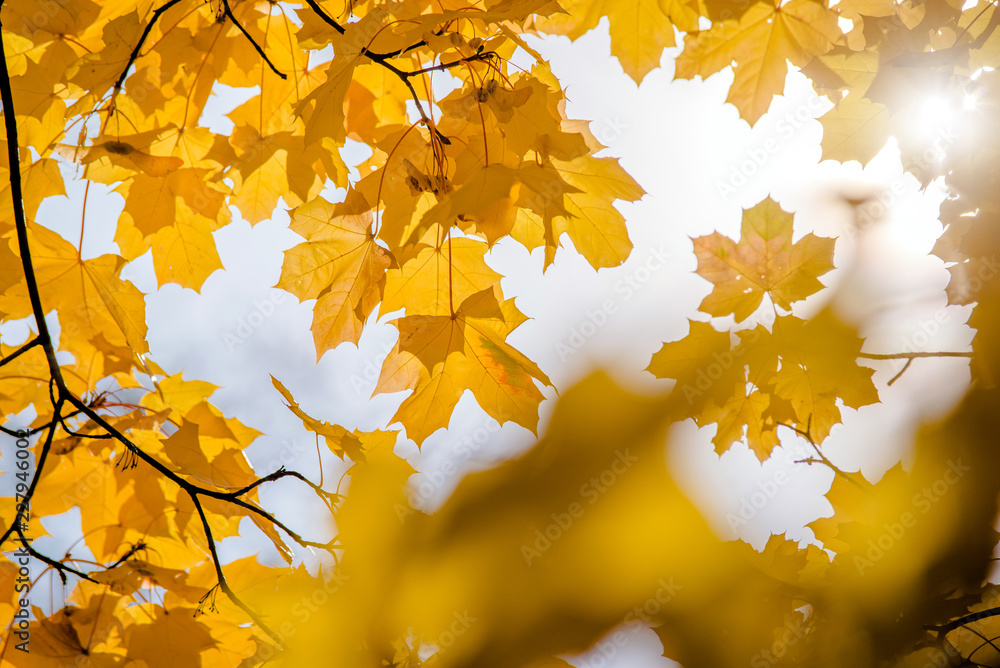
{"points": [[700, 164]]}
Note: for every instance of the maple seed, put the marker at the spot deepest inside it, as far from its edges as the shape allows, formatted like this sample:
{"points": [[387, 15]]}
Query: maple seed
{"points": [[118, 147]]}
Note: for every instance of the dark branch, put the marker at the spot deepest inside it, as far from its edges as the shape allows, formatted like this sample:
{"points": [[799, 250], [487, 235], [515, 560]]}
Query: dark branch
{"points": [[20, 351], [223, 584], [452, 64], [229, 13], [142, 39], [26, 500], [60, 567], [967, 619]]}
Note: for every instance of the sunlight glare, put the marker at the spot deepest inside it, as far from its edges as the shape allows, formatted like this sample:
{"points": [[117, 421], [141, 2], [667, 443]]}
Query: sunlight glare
{"points": [[936, 112], [931, 116]]}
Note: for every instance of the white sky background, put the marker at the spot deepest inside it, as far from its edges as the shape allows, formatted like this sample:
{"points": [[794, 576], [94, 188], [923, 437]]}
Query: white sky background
{"points": [[680, 141]]}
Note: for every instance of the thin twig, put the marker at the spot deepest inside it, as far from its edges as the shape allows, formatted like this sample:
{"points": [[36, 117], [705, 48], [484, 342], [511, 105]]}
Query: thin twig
{"points": [[223, 584], [901, 372], [142, 39], [25, 502], [20, 351], [904, 356], [60, 567], [451, 64], [822, 458], [229, 13]]}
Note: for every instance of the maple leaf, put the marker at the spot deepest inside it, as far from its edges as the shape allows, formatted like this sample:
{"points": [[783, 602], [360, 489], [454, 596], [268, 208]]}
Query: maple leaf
{"points": [[169, 638], [764, 37], [439, 357], [434, 278], [97, 72], [126, 578], [128, 93], [155, 202], [88, 293], [843, 69], [819, 365], [266, 170], [640, 29], [81, 634], [340, 441], [701, 363], [764, 261], [326, 104], [855, 129], [340, 265], [491, 520]]}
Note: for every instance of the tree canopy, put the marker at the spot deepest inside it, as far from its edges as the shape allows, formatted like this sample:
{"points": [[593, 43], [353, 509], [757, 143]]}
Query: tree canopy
{"points": [[588, 535]]}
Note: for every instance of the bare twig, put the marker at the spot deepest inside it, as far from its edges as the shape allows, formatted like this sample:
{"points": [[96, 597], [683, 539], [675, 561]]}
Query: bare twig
{"points": [[142, 39], [911, 356], [20, 351], [229, 13]]}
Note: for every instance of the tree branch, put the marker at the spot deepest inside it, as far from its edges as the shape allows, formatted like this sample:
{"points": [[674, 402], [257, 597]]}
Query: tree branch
{"points": [[822, 459], [229, 13], [911, 356], [60, 393], [20, 351], [223, 584], [142, 39], [967, 619]]}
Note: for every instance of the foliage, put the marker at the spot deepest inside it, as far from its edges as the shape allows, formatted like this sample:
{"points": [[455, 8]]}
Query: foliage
{"points": [[543, 555]]}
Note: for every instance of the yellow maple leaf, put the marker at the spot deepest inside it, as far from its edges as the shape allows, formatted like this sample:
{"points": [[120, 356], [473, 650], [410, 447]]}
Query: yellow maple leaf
{"points": [[439, 357], [169, 638], [340, 441], [324, 107], [97, 72], [640, 29], [596, 228], [761, 41], [434, 280], [818, 366], [505, 549], [764, 261], [704, 366], [855, 129], [340, 265], [89, 295]]}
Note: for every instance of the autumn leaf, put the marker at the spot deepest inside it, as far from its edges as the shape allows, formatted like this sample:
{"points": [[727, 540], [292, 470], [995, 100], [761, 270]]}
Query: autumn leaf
{"points": [[818, 366], [760, 42], [438, 277], [703, 364], [640, 29], [340, 441], [340, 265], [90, 293], [439, 357], [855, 129], [325, 105], [169, 638], [491, 521], [764, 261], [410, 141]]}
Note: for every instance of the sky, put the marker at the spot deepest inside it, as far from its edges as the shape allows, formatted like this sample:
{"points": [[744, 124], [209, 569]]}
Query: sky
{"points": [[700, 165]]}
